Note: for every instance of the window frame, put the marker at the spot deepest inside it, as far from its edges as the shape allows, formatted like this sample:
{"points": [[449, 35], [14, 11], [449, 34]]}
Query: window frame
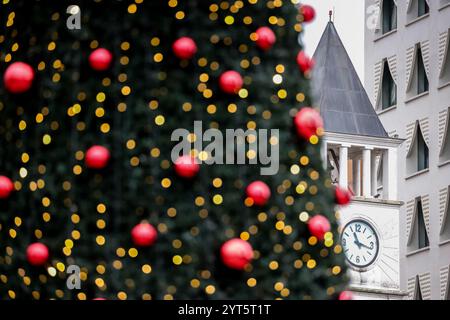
{"points": [[389, 18]]}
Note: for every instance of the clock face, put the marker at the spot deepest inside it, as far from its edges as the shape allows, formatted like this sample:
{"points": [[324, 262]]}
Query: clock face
{"points": [[360, 243]]}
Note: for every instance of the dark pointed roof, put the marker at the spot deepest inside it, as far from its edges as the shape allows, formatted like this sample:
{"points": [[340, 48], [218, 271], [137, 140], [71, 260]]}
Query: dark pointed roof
{"points": [[338, 92]]}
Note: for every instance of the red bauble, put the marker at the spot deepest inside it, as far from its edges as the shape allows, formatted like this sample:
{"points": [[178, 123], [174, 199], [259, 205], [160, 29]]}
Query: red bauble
{"points": [[305, 63], [231, 82], [236, 253], [265, 38], [18, 77], [346, 295], [97, 157], [307, 123], [6, 187], [37, 254], [259, 192], [186, 167], [143, 235], [342, 196], [307, 12], [184, 48], [100, 59], [318, 226]]}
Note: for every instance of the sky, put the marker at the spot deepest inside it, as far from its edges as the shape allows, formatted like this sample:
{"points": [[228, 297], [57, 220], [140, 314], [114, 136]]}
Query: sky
{"points": [[349, 22]]}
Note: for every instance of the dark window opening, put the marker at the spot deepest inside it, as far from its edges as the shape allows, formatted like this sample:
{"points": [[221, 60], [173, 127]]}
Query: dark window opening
{"points": [[389, 16], [418, 294], [389, 89], [423, 8], [422, 231], [422, 80], [423, 161]]}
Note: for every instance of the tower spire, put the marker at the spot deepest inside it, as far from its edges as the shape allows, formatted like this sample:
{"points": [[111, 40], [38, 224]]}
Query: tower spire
{"points": [[330, 13]]}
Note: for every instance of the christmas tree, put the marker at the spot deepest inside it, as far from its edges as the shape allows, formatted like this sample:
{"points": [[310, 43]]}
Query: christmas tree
{"points": [[91, 96]]}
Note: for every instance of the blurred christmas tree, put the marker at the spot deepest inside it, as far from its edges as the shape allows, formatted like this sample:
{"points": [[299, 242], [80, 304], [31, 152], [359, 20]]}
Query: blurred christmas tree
{"points": [[87, 179]]}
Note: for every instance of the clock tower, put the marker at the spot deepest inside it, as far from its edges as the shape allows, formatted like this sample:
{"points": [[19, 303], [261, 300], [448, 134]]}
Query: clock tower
{"points": [[362, 157]]}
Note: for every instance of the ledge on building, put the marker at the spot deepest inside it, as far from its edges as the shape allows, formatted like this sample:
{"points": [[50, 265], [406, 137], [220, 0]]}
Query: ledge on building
{"points": [[378, 201], [386, 291], [444, 85], [423, 94], [416, 174], [417, 19], [443, 243], [443, 164], [444, 6], [384, 35], [415, 252], [383, 111]]}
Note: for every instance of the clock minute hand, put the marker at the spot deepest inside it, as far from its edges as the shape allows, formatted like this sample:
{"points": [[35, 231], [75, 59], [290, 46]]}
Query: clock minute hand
{"points": [[367, 247]]}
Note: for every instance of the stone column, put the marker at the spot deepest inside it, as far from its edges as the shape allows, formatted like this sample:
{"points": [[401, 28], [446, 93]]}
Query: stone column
{"points": [[343, 166], [367, 173]]}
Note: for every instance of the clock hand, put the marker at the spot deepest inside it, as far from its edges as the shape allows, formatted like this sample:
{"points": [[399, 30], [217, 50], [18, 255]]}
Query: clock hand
{"points": [[367, 247], [356, 240]]}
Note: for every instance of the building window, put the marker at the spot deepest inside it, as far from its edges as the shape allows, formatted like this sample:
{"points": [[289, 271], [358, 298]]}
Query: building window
{"points": [[423, 153], [418, 238], [444, 155], [389, 89], [422, 239], [417, 158], [445, 228], [422, 80], [389, 16], [418, 293], [423, 8], [444, 76]]}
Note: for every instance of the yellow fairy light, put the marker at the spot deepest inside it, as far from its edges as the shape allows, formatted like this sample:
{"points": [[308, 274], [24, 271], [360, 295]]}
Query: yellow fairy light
{"points": [[245, 236], [177, 260], [159, 120], [132, 252], [251, 282], [210, 289], [273, 265], [46, 139], [229, 20], [100, 97], [166, 183]]}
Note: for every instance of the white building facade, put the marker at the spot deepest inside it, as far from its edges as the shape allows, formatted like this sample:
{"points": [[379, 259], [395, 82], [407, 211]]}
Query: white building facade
{"points": [[407, 78]]}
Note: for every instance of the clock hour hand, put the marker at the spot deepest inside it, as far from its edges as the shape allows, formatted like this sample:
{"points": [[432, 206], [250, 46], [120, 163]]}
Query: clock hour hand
{"points": [[356, 240]]}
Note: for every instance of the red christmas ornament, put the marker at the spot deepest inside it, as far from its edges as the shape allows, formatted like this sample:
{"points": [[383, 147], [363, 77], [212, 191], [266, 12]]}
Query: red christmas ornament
{"points": [[37, 254], [184, 48], [259, 192], [236, 253], [186, 167], [265, 38], [346, 295], [231, 82], [100, 59], [18, 77], [305, 63], [97, 157], [307, 12], [143, 235], [6, 187], [342, 196], [318, 226], [307, 123]]}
